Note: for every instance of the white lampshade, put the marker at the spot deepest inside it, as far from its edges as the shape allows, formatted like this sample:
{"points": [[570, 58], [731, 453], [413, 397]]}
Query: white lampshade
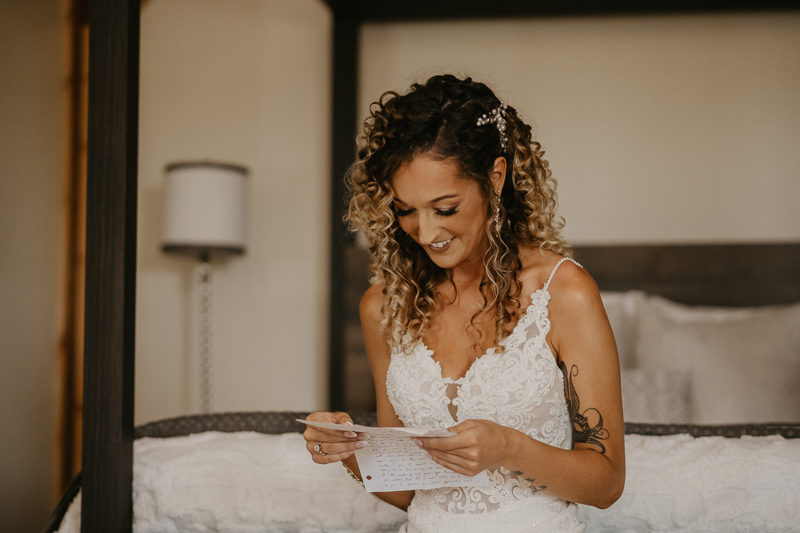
{"points": [[205, 208]]}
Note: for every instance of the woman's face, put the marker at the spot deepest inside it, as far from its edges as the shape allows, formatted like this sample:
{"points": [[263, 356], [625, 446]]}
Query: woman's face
{"points": [[443, 211]]}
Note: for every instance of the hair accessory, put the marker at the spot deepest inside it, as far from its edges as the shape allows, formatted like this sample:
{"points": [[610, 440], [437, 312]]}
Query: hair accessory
{"points": [[496, 220], [353, 475], [318, 450], [498, 117]]}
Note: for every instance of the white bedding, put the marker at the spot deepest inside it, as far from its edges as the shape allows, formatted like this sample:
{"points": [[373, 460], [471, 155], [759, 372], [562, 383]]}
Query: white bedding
{"points": [[248, 482], [708, 484]]}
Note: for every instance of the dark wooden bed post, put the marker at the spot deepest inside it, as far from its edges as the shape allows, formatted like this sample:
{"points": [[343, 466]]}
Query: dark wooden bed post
{"points": [[343, 133], [107, 502]]}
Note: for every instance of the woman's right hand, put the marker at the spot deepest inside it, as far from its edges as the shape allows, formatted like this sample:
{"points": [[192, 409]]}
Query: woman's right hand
{"points": [[333, 445]]}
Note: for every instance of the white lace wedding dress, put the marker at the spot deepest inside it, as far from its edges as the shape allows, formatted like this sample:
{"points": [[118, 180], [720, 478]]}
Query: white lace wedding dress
{"points": [[519, 386]]}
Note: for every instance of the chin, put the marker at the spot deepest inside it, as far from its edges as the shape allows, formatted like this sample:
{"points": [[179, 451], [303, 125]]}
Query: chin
{"points": [[443, 261]]}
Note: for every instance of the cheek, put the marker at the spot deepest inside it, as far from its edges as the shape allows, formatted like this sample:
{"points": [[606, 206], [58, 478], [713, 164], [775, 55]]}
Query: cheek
{"points": [[408, 225], [476, 222], [478, 229]]}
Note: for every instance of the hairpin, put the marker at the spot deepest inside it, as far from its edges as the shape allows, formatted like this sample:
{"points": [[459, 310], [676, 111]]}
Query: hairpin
{"points": [[498, 117]]}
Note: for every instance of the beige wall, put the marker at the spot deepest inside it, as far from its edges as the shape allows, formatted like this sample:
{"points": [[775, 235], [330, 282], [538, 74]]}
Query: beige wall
{"points": [[242, 81], [32, 112], [659, 129]]}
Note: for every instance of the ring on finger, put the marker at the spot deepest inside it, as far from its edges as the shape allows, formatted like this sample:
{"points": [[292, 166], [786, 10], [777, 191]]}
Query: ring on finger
{"points": [[318, 450]]}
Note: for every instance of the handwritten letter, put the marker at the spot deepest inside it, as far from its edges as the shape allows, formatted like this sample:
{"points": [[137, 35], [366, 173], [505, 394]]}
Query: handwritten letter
{"points": [[391, 461]]}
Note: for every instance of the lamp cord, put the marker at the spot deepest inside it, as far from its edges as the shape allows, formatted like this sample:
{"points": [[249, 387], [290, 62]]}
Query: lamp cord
{"points": [[205, 346]]}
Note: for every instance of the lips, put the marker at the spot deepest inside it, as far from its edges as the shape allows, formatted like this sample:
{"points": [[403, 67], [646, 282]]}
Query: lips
{"points": [[441, 246]]}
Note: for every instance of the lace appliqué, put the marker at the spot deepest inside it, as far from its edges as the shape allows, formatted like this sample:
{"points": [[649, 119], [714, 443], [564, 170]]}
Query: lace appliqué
{"points": [[519, 386]]}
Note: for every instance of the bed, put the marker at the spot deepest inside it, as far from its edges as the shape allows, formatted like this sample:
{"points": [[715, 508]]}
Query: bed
{"points": [[251, 472], [703, 467], [735, 275]]}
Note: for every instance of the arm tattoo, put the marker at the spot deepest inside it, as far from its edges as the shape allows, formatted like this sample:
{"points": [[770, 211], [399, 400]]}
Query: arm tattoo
{"points": [[582, 430], [531, 480]]}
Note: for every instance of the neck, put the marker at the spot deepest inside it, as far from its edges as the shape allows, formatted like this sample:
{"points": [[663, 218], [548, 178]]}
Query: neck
{"points": [[469, 273], [467, 276]]}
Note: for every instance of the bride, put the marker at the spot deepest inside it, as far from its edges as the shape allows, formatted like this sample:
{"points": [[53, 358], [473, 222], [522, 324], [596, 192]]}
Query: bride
{"points": [[477, 319]]}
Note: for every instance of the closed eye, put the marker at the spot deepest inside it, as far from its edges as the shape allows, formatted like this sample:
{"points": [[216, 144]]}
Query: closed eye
{"points": [[440, 212]]}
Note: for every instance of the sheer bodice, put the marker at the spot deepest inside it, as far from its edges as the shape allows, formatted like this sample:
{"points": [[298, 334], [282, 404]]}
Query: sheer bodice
{"points": [[518, 385]]}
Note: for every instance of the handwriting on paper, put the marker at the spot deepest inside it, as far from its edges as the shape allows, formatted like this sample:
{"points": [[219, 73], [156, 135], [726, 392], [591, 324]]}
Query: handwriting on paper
{"points": [[391, 461]]}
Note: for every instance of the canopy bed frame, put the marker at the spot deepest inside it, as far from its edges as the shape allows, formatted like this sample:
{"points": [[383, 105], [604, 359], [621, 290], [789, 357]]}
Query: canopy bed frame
{"points": [[764, 274]]}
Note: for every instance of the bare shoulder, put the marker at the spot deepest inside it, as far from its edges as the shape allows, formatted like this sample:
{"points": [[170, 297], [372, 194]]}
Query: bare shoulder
{"points": [[579, 326], [569, 281], [374, 337], [573, 286], [371, 304]]}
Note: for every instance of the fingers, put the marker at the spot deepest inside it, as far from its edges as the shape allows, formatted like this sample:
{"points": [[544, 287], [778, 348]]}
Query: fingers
{"points": [[331, 452], [447, 443], [328, 445], [454, 457], [328, 435], [456, 463], [469, 452], [312, 433], [342, 418]]}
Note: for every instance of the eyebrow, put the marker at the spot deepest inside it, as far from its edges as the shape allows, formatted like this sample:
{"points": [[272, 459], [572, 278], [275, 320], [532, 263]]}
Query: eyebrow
{"points": [[435, 200]]}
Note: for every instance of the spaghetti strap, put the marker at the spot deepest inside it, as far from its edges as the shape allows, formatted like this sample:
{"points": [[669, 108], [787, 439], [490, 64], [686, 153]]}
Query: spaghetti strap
{"points": [[553, 272]]}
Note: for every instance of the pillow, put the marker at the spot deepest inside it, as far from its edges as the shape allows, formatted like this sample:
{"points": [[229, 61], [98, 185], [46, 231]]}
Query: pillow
{"points": [[659, 396], [744, 363], [622, 309], [246, 482], [708, 484]]}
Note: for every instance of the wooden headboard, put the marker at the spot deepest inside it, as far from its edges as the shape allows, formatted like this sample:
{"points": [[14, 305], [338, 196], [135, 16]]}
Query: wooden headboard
{"points": [[721, 275], [740, 275]]}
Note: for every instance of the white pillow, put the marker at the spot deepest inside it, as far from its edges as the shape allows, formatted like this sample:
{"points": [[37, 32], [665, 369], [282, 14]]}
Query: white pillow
{"points": [[245, 482], [708, 484], [744, 363], [622, 309], [659, 396]]}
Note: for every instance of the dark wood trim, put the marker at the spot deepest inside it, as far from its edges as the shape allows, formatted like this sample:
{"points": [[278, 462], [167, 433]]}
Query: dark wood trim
{"points": [[420, 10], [719, 275], [68, 423], [343, 117], [110, 267], [481, 9]]}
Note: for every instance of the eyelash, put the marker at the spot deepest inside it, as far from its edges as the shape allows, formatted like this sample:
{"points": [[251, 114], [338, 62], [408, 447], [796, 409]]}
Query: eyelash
{"points": [[440, 212]]}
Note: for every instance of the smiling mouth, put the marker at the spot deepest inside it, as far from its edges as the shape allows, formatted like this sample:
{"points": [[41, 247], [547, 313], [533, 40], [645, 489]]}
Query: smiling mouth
{"points": [[441, 244]]}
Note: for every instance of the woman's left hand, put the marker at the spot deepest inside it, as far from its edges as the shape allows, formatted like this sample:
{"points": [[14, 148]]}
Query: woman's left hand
{"points": [[479, 445]]}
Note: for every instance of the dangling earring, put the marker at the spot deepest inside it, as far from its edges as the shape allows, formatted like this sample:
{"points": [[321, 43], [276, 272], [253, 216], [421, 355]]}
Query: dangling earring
{"points": [[497, 222]]}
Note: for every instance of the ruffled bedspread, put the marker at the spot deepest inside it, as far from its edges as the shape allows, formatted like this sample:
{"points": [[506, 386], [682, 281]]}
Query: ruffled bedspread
{"points": [[250, 482], [708, 484]]}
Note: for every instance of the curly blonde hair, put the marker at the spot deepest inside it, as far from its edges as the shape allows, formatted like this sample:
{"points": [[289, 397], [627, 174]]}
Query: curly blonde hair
{"points": [[439, 118]]}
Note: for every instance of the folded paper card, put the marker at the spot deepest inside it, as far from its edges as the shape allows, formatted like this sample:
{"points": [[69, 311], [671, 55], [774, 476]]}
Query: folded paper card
{"points": [[391, 461]]}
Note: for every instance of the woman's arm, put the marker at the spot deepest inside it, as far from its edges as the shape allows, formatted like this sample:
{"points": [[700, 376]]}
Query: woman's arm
{"points": [[379, 358], [341, 445], [593, 473]]}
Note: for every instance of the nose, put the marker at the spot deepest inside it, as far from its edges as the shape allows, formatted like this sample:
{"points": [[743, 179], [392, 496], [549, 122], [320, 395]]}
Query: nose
{"points": [[428, 229]]}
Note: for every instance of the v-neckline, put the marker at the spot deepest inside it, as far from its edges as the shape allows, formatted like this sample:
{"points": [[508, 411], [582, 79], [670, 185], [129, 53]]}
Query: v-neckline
{"points": [[429, 353]]}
